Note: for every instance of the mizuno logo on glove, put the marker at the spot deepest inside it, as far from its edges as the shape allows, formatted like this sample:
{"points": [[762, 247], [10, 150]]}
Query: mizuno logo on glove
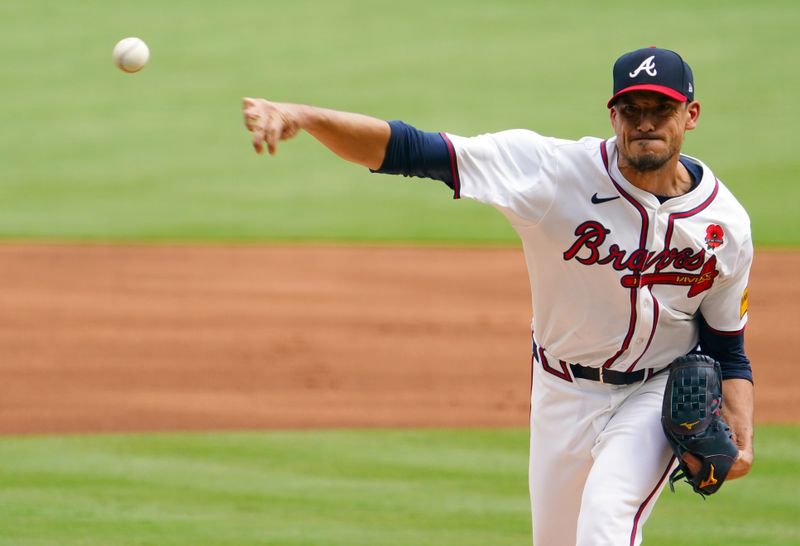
{"points": [[711, 479]]}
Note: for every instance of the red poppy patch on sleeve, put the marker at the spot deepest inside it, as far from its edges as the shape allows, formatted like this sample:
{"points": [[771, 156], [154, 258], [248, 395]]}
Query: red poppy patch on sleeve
{"points": [[714, 235]]}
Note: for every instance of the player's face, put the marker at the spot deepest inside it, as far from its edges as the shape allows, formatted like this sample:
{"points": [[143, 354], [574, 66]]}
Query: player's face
{"points": [[650, 128]]}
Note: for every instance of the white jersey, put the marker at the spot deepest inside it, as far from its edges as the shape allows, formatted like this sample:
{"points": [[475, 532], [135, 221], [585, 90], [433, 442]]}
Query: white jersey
{"points": [[616, 277]]}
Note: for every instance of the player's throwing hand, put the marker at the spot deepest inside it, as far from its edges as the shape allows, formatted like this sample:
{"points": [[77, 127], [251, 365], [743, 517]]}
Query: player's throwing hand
{"points": [[269, 122], [354, 137]]}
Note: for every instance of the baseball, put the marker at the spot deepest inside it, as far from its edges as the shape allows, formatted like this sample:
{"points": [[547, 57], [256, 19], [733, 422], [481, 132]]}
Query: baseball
{"points": [[130, 54]]}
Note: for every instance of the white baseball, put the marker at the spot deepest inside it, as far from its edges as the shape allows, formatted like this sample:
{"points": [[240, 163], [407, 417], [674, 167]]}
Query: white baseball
{"points": [[130, 54]]}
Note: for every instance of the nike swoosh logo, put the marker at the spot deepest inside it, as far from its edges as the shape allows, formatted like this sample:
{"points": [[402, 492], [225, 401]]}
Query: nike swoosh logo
{"points": [[597, 200]]}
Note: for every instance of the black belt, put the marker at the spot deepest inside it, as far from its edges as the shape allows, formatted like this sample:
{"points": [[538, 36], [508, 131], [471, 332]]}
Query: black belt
{"points": [[612, 377]]}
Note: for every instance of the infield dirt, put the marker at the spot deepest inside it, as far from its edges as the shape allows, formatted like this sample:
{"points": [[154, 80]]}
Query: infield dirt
{"points": [[144, 338]]}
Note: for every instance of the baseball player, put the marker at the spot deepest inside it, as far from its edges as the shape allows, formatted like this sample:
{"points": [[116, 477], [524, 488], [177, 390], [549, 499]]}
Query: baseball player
{"points": [[637, 255]]}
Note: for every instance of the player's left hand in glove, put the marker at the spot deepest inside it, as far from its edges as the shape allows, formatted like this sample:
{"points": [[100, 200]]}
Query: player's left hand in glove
{"points": [[692, 420]]}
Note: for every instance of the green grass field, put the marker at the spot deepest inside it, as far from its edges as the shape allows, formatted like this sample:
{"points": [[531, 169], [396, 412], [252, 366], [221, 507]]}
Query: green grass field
{"points": [[341, 488], [90, 153]]}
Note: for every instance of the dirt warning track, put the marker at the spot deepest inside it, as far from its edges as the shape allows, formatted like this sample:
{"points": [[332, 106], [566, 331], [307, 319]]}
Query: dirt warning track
{"points": [[133, 338]]}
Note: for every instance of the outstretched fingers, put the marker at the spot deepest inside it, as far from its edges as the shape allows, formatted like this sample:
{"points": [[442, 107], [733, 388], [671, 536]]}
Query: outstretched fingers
{"points": [[255, 120], [273, 131], [266, 122], [258, 140]]}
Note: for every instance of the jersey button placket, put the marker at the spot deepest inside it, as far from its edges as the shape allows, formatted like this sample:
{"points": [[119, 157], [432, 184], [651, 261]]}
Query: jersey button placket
{"points": [[645, 326]]}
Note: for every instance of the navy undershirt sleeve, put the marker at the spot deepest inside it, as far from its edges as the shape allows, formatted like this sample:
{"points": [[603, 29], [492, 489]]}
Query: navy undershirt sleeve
{"points": [[412, 152], [728, 350]]}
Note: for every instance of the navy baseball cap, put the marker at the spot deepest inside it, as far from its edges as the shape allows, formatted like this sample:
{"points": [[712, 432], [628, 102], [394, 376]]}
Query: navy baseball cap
{"points": [[653, 69]]}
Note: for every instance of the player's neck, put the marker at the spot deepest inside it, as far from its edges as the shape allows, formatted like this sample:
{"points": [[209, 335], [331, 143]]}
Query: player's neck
{"points": [[670, 180]]}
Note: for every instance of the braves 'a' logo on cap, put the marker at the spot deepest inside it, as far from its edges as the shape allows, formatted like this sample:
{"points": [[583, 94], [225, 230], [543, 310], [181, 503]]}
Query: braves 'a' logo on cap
{"points": [[648, 65]]}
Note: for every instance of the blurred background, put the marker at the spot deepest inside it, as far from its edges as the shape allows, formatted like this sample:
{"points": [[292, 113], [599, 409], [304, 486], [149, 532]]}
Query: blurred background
{"points": [[91, 157], [91, 153]]}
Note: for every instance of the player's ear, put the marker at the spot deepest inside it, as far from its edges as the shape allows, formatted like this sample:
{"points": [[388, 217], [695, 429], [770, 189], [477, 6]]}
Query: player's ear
{"points": [[612, 116], [693, 111]]}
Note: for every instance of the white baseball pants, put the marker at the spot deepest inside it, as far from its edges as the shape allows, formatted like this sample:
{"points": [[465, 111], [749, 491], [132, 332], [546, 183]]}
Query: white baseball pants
{"points": [[598, 460]]}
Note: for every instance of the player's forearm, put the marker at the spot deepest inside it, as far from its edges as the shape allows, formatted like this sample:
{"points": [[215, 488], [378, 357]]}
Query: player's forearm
{"points": [[355, 137], [737, 411]]}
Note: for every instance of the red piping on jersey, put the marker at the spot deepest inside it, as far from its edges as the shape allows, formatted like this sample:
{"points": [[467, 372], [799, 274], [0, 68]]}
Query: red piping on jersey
{"points": [[530, 397], [642, 241], [686, 214], [453, 167], [563, 374], [533, 363], [631, 200], [649, 497], [642, 246], [631, 327], [667, 240], [652, 331], [721, 333]]}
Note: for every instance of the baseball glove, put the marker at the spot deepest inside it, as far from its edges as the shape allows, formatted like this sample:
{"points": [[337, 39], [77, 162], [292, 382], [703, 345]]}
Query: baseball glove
{"points": [[692, 420]]}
